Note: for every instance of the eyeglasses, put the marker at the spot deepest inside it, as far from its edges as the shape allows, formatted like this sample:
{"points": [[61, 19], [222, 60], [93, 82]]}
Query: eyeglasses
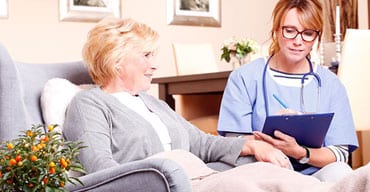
{"points": [[307, 35]]}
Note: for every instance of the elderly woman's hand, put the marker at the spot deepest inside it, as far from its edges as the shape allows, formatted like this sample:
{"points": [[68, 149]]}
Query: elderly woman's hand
{"points": [[265, 152]]}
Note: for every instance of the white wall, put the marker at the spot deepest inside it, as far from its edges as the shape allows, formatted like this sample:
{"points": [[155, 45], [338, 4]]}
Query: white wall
{"points": [[33, 32]]}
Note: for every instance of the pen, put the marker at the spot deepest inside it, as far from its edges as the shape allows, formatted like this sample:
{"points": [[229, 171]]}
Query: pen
{"points": [[280, 101]]}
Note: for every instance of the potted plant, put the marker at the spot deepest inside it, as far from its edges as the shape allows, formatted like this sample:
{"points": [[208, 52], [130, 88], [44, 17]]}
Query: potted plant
{"points": [[238, 49], [38, 160]]}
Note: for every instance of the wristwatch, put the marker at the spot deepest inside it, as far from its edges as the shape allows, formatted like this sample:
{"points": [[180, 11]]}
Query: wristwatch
{"points": [[306, 158]]}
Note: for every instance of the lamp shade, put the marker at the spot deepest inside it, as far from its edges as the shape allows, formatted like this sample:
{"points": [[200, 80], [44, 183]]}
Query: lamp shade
{"points": [[354, 72]]}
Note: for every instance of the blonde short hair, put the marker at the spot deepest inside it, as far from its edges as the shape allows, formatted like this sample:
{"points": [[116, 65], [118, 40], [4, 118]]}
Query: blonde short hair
{"points": [[112, 40], [309, 14]]}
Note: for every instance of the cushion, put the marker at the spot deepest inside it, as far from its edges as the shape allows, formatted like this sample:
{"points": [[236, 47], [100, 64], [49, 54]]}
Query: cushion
{"points": [[55, 97]]}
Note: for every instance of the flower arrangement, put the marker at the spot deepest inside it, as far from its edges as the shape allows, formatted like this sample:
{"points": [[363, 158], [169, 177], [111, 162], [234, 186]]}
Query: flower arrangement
{"points": [[238, 48], [38, 160]]}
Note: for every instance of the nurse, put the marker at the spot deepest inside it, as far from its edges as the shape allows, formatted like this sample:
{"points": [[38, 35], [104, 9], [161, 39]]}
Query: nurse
{"points": [[302, 85]]}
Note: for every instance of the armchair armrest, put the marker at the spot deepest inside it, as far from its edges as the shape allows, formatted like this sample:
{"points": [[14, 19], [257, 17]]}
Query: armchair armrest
{"points": [[143, 175]]}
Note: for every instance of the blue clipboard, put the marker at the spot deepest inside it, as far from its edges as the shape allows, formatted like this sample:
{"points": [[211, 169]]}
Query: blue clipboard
{"points": [[308, 129]]}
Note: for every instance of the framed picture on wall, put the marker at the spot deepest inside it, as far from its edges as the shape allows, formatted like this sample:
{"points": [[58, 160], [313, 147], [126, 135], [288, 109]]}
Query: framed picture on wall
{"points": [[3, 8], [88, 10], [194, 12]]}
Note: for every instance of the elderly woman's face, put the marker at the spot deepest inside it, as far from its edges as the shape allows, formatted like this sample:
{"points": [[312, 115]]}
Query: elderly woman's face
{"points": [[136, 72]]}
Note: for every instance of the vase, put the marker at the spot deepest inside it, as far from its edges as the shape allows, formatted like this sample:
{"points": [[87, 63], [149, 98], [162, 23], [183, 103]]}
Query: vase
{"points": [[244, 60], [235, 63], [238, 61]]}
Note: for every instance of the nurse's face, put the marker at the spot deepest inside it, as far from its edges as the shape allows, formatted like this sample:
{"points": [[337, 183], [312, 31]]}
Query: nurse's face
{"points": [[137, 71], [294, 40]]}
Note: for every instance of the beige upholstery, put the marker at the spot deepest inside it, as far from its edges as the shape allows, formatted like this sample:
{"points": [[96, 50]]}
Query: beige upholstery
{"points": [[194, 58]]}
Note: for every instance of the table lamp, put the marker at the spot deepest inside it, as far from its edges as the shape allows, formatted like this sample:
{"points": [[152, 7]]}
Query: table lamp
{"points": [[354, 71]]}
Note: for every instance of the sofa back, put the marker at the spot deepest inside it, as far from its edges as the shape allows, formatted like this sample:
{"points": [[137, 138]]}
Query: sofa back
{"points": [[21, 85]]}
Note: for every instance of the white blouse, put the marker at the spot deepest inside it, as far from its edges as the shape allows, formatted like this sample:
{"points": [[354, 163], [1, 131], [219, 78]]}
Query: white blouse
{"points": [[135, 103]]}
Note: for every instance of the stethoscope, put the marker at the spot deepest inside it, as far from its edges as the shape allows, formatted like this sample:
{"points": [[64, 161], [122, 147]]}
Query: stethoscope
{"points": [[311, 72]]}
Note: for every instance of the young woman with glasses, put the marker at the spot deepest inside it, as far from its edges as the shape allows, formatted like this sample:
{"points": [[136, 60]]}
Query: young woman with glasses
{"points": [[249, 95]]}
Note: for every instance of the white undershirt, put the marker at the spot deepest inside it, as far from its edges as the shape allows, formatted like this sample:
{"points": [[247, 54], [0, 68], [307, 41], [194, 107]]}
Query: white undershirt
{"points": [[135, 103], [289, 79]]}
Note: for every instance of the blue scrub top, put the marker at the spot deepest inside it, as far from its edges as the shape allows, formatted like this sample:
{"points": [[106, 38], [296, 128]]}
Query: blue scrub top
{"points": [[243, 104]]}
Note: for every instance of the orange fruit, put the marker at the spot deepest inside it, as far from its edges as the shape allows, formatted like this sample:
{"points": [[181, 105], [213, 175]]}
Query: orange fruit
{"points": [[50, 128], [18, 158], [12, 162], [52, 170], [29, 133], [10, 146], [45, 180], [63, 162], [33, 158], [51, 164]]}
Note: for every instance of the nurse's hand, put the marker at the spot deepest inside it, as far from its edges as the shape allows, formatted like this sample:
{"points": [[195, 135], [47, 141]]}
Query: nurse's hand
{"points": [[287, 112], [287, 144], [265, 152]]}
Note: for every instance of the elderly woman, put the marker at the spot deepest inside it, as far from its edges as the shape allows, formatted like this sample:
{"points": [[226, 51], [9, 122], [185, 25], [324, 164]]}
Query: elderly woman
{"points": [[119, 122]]}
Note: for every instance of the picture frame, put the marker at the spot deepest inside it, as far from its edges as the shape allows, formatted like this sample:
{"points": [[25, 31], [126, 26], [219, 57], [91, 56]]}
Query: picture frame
{"points": [[3, 8], [194, 13], [79, 10]]}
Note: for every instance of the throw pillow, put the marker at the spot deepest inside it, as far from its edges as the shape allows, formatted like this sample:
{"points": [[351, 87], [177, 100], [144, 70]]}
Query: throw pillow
{"points": [[55, 98]]}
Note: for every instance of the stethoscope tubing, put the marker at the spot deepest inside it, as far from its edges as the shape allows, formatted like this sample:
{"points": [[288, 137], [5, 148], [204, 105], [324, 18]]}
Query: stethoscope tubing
{"points": [[311, 72]]}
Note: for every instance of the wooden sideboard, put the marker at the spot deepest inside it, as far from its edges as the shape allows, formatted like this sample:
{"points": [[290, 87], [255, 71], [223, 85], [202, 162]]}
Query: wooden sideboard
{"points": [[196, 84]]}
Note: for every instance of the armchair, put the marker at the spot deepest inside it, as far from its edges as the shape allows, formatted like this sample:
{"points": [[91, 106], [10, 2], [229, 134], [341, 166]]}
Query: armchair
{"points": [[20, 90]]}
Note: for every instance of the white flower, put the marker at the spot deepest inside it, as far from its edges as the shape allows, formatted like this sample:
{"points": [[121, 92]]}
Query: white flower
{"points": [[238, 48]]}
